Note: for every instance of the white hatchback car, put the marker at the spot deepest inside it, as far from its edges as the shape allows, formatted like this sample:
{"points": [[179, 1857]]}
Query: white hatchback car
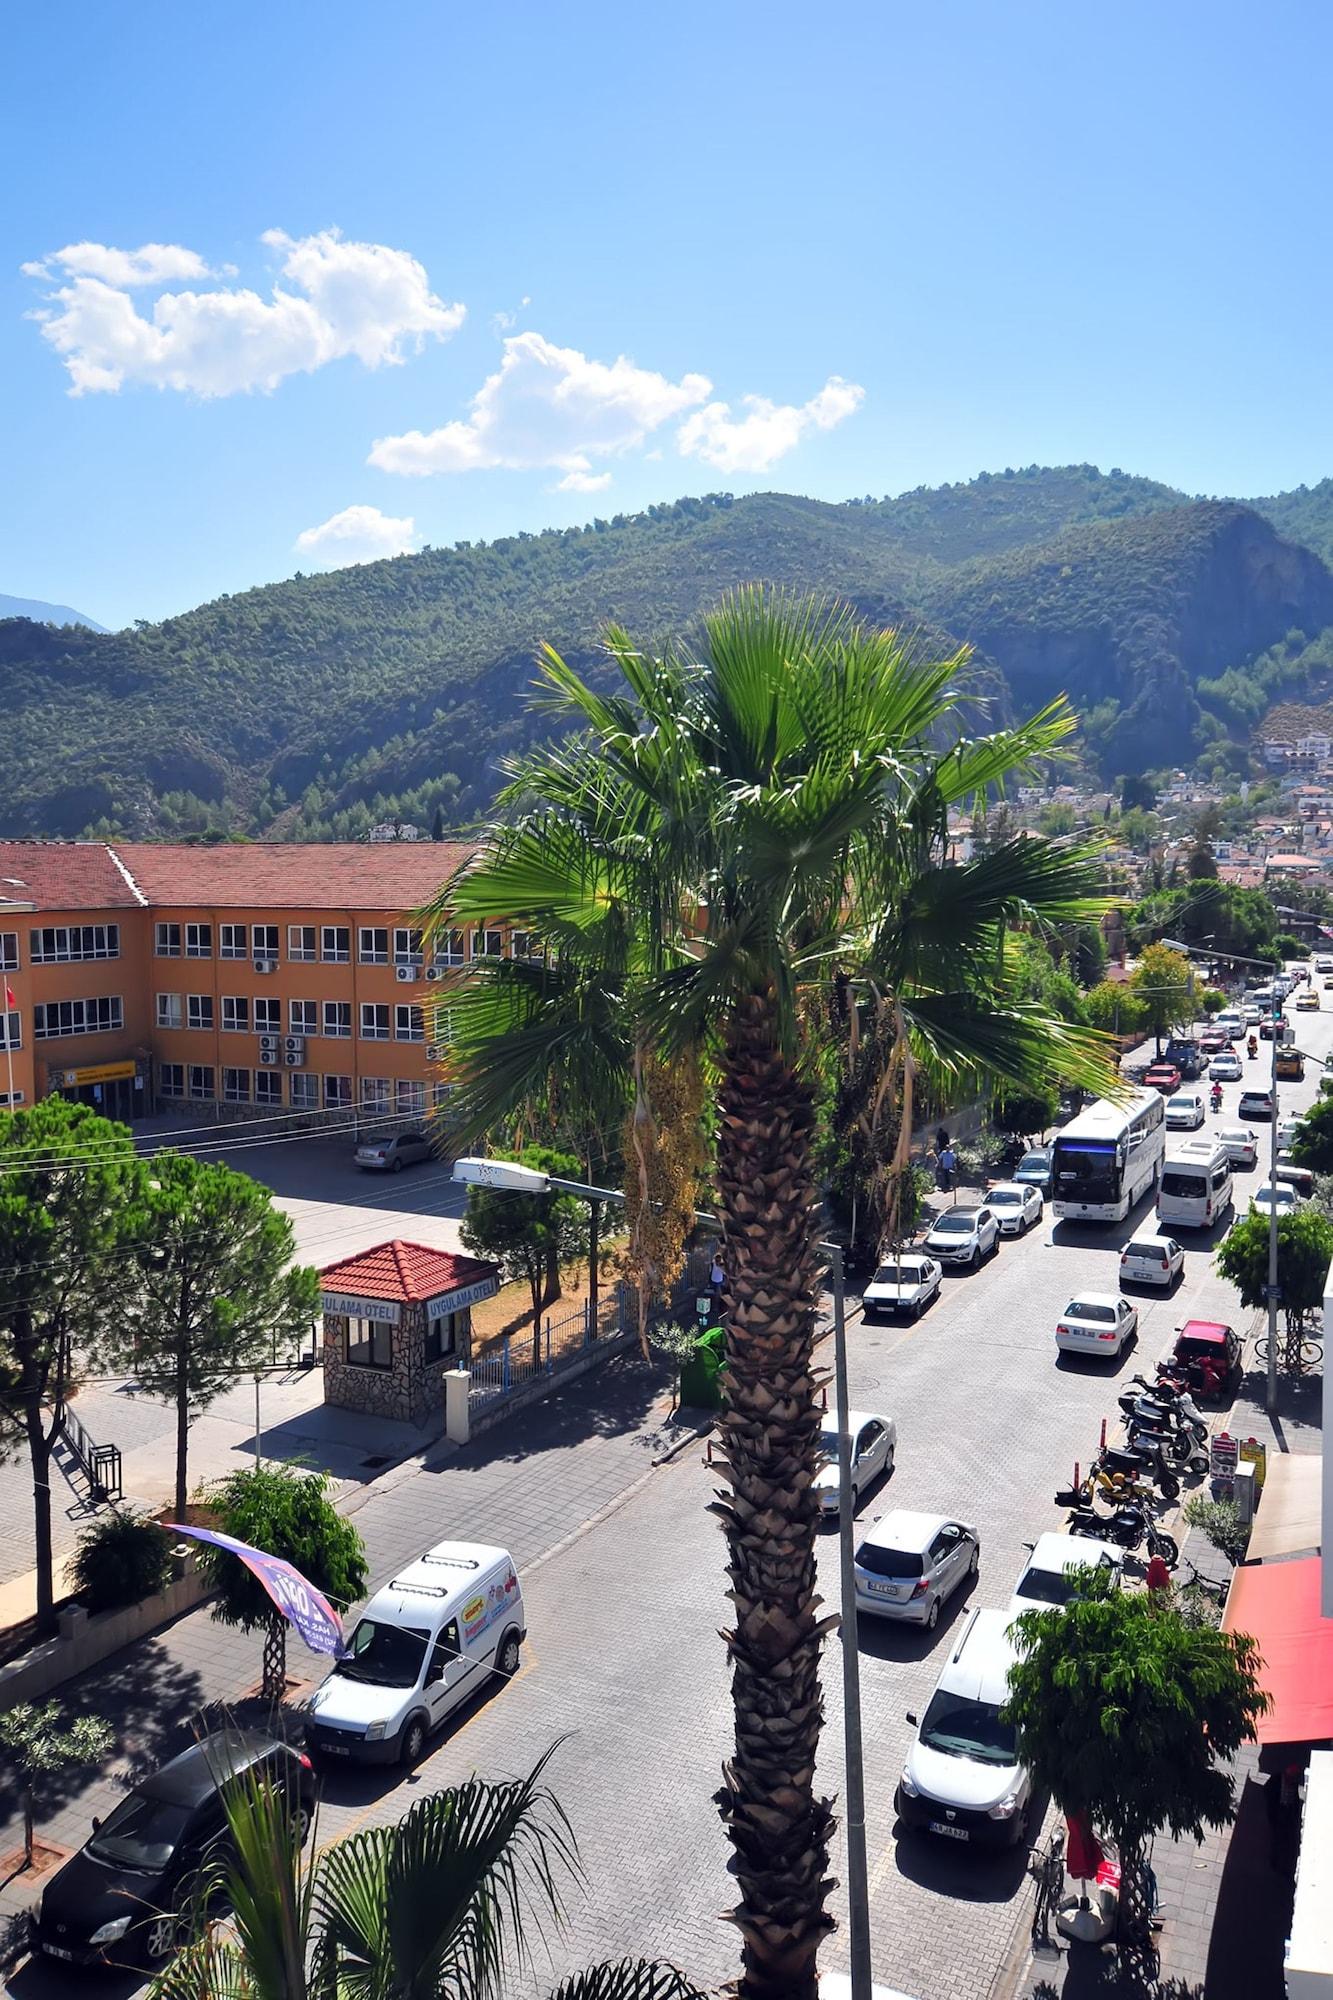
{"points": [[1150, 1259], [963, 1236], [910, 1564], [1185, 1112], [1238, 1143], [872, 1440], [1016, 1205], [1096, 1323], [1226, 1068], [902, 1284], [1046, 1580], [1283, 1198]]}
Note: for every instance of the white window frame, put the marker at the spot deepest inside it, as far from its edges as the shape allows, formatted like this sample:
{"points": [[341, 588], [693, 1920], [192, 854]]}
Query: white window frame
{"points": [[233, 941], [11, 1028], [230, 1003], [71, 944], [409, 1024], [303, 1017], [9, 952], [298, 950], [235, 1092], [304, 1090], [196, 1006], [409, 1098], [372, 954], [207, 1083], [171, 1079], [271, 1007], [341, 1097], [85, 1018], [376, 1093], [162, 944], [452, 948], [198, 940], [264, 941], [339, 1030], [487, 943], [268, 1087], [170, 1010], [408, 946], [335, 954], [375, 1033]]}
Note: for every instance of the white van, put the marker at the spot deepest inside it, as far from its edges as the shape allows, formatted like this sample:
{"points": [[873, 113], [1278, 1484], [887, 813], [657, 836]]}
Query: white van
{"points": [[1231, 1024], [430, 1640], [1195, 1188], [962, 1778]]}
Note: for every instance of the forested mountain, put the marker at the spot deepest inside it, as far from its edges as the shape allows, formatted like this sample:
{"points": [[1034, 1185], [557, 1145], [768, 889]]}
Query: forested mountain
{"points": [[45, 614], [324, 702], [1303, 515]]}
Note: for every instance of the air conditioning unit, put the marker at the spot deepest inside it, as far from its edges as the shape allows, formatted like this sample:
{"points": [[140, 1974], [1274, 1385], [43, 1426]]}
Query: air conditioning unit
{"points": [[293, 1058], [404, 973], [434, 972], [269, 1044], [292, 1043], [266, 965], [268, 1057]]}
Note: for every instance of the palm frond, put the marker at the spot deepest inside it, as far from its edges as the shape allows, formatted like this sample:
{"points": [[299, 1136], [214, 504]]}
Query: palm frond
{"points": [[628, 1979]]}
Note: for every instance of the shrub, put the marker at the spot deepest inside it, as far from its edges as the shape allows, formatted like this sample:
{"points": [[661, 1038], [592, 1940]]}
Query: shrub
{"points": [[1219, 1522], [121, 1559]]}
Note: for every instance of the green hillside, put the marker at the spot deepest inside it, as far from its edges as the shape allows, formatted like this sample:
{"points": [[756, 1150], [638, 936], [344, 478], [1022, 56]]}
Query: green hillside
{"points": [[1303, 515], [323, 702]]}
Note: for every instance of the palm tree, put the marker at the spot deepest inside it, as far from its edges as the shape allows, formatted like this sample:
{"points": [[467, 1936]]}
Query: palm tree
{"points": [[729, 839], [440, 1906]]}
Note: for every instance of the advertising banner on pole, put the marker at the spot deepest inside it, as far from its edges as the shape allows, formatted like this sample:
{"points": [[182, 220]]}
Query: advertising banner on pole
{"points": [[298, 1601]]}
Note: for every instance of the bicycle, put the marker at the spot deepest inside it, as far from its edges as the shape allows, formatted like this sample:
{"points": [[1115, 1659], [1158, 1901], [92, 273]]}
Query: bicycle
{"points": [[1308, 1354], [1048, 1872]]}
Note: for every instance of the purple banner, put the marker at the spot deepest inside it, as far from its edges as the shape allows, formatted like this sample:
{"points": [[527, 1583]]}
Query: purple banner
{"points": [[298, 1601]]}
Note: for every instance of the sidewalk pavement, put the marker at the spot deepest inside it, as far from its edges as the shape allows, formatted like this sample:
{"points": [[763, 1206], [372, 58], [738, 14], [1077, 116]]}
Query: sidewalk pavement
{"points": [[1226, 1903]]}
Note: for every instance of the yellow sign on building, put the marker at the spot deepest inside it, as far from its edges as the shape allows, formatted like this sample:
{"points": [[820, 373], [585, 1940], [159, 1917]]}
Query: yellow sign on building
{"points": [[99, 1073]]}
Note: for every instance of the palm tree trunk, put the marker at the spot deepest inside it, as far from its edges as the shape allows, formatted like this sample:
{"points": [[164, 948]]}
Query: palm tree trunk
{"points": [[769, 1424]]}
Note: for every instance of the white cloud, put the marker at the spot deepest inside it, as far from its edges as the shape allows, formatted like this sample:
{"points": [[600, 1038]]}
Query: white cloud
{"points": [[357, 535], [340, 298], [768, 431], [583, 482], [151, 264], [546, 405]]}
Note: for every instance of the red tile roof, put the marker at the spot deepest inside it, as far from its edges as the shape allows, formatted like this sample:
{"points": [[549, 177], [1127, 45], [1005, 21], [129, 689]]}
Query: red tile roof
{"points": [[404, 1271], [64, 875], [393, 875]]}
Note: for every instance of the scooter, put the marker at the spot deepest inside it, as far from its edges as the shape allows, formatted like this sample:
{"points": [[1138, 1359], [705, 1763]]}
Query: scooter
{"points": [[1135, 1462], [1215, 1098], [1179, 1445], [1130, 1527], [1252, 1047], [1164, 1400]]}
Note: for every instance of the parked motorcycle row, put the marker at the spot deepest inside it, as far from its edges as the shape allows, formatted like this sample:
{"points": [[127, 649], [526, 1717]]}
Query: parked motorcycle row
{"points": [[1165, 1436]]}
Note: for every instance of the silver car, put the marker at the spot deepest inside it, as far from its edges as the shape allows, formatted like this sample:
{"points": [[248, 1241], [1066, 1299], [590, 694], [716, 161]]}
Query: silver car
{"points": [[1016, 1205], [910, 1564], [872, 1445], [963, 1236], [390, 1156]]}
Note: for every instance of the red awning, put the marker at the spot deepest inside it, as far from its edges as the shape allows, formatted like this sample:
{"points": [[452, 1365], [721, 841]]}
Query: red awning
{"points": [[1278, 1605]]}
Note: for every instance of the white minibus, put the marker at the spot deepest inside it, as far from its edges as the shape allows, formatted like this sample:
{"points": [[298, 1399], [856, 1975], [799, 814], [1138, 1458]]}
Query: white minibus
{"points": [[1195, 1190]]}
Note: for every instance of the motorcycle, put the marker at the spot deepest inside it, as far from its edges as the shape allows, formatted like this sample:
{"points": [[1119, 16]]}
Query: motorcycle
{"points": [[1140, 1462], [1252, 1047], [1215, 1098], [1116, 1487], [1130, 1527], [1181, 1447], [1164, 1400]]}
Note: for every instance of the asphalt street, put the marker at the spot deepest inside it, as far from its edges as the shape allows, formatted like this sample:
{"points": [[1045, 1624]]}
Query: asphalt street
{"points": [[625, 1671]]}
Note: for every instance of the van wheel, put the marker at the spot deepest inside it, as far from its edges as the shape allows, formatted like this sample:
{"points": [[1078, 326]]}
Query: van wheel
{"points": [[413, 1740], [509, 1655]]}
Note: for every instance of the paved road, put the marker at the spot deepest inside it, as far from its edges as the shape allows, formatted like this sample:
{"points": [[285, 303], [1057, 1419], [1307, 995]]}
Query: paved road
{"points": [[624, 1661]]}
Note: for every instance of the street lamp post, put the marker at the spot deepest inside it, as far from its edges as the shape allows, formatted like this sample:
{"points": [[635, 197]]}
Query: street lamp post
{"points": [[508, 1174]]}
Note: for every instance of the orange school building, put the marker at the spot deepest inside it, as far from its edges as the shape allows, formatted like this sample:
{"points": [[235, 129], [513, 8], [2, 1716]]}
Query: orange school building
{"points": [[238, 980]]}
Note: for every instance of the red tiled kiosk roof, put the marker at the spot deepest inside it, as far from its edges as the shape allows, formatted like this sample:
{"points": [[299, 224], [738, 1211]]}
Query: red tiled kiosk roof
{"points": [[407, 1272]]}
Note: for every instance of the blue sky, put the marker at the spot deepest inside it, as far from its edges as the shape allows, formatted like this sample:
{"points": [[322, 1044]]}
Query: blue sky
{"points": [[931, 240]]}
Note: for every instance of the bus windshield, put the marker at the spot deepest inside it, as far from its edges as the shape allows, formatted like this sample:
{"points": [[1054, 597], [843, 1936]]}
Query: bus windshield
{"points": [[1086, 1170]]}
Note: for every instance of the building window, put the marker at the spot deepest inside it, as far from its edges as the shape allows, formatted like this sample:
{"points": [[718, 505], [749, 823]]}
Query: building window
{"points": [[76, 1017], [11, 1029], [199, 1010], [369, 1343], [372, 945], [374, 1093], [264, 940], [171, 1079], [442, 1027], [68, 944], [233, 941], [487, 944], [167, 940], [451, 948], [169, 1010], [268, 1086], [268, 1016], [8, 1103], [9, 951], [409, 1098], [235, 1015], [408, 1025], [407, 947], [442, 1331], [201, 1081], [199, 940], [374, 1021], [336, 944], [236, 1086], [338, 1018], [441, 1094], [522, 944], [301, 943], [303, 1017], [337, 1092], [305, 1092]]}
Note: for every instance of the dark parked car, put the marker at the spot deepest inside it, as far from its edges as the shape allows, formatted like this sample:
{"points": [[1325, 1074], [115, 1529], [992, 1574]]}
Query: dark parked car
{"points": [[1034, 1169], [390, 1156], [118, 1901]]}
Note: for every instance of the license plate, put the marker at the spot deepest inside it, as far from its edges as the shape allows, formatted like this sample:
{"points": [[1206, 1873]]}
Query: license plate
{"points": [[337, 1749], [885, 1589], [57, 1951], [949, 1832]]}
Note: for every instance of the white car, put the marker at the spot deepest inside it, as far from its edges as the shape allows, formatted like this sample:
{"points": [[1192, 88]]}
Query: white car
{"points": [[1016, 1205], [909, 1563], [963, 1236], [1184, 1112], [1238, 1143], [1047, 1581], [1267, 1197], [902, 1284], [1096, 1323], [1286, 1134], [1151, 1260], [873, 1441], [1226, 1067], [1253, 1016]]}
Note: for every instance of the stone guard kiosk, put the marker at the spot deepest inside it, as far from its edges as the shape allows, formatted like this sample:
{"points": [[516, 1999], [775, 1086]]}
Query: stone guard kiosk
{"points": [[396, 1320]]}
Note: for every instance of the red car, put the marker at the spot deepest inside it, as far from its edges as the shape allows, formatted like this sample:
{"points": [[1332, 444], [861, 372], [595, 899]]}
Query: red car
{"points": [[1212, 1041], [1164, 1077], [1210, 1353]]}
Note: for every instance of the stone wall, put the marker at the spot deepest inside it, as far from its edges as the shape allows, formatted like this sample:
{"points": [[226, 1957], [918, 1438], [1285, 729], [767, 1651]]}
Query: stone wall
{"points": [[411, 1391]]}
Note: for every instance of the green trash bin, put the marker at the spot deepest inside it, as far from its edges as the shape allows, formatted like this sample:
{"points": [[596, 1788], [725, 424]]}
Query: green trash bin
{"points": [[700, 1388]]}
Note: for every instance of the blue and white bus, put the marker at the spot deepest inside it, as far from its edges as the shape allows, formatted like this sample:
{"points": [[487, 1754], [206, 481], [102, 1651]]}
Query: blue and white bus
{"points": [[1107, 1158]]}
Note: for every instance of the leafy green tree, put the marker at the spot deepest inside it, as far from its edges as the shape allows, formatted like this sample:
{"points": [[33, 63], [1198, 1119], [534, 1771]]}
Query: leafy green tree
{"points": [[1115, 1008], [1132, 1716], [1201, 863], [120, 1559], [1211, 1001], [740, 825], [1313, 1144], [40, 1748], [529, 1235], [1219, 1522], [1203, 913], [216, 1296], [1021, 1113], [1304, 1253], [287, 1513], [444, 1904], [1287, 945], [1163, 981], [71, 1189], [1057, 819], [1137, 792]]}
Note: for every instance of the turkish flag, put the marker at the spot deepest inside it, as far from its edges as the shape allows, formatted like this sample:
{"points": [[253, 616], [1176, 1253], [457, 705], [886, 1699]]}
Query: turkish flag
{"points": [[10, 1001], [1083, 1850]]}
